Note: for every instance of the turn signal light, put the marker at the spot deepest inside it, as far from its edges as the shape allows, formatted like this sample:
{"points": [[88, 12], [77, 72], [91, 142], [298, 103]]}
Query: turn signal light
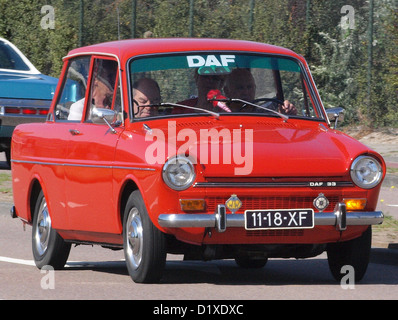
{"points": [[193, 204], [355, 204]]}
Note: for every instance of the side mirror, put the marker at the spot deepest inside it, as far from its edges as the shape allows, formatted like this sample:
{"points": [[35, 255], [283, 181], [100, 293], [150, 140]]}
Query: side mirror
{"points": [[102, 114], [335, 115]]}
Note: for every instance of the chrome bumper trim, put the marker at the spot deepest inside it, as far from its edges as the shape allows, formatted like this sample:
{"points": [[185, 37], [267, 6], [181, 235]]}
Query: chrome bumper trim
{"points": [[14, 120], [219, 220]]}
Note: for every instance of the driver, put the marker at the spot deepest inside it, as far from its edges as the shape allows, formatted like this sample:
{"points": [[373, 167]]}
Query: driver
{"points": [[240, 84]]}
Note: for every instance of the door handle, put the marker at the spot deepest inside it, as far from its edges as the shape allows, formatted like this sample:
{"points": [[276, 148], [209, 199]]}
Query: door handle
{"points": [[74, 132]]}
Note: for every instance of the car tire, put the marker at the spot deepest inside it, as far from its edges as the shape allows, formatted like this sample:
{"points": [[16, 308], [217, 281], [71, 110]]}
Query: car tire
{"points": [[48, 247], [8, 156], [355, 253], [144, 245]]}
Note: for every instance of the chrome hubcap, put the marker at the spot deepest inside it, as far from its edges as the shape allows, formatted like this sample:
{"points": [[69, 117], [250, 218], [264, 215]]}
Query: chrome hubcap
{"points": [[134, 238], [43, 229]]}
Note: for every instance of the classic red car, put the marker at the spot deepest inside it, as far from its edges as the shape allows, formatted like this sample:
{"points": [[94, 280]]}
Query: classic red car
{"points": [[204, 147]]}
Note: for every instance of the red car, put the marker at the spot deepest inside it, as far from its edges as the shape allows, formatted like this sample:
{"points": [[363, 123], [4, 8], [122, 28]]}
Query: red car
{"points": [[209, 148]]}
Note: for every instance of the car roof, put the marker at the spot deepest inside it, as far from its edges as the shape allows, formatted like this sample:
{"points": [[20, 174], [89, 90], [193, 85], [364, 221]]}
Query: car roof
{"points": [[124, 49]]}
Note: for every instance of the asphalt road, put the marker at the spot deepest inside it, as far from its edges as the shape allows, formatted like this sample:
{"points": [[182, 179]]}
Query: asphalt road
{"points": [[95, 273]]}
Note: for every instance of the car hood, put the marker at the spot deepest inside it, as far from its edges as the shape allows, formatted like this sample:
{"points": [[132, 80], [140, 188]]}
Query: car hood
{"points": [[260, 147], [27, 86]]}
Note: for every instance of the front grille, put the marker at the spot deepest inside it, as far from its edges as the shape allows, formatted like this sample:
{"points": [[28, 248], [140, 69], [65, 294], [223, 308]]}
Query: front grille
{"points": [[256, 203]]}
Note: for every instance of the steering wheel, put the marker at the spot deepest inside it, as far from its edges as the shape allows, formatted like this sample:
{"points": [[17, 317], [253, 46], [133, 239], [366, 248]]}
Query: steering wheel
{"points": [[269, 99]]}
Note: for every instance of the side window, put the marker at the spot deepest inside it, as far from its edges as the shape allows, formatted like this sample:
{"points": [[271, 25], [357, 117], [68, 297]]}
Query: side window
{"points": [[71, 100], [104, 86]]}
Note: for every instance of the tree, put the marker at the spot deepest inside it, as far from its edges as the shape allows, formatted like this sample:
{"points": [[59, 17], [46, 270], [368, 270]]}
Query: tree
{"points": [[337, 56]]}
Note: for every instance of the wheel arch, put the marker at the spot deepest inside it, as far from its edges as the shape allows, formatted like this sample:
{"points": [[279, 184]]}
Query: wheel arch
{"points": [[129, 186], [35, 189]]}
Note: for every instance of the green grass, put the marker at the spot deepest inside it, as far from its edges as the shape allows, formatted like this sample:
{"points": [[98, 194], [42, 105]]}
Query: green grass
{"points": [[392, 170], [388, 223], [5, 177]]}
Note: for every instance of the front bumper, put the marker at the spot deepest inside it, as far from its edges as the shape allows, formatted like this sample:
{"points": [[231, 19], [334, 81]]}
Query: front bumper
{"points": [[339, 218]]}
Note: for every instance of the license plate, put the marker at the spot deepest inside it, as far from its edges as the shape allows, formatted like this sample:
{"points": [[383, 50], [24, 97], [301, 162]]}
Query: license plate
{"points": [[279, 219]]}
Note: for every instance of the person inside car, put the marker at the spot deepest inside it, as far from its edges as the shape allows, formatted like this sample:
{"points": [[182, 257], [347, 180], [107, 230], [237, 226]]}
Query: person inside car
{"points": [[102, 90], [240, 84], [146, 91], [204, 84]]}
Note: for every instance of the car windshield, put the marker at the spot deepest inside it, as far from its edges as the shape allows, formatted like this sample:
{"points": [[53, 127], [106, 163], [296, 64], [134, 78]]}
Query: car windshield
{"points": [[220, 83], [9, 59]]}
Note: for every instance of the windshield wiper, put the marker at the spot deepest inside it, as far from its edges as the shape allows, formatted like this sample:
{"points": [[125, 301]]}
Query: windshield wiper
{"points": [[215, 114], [283, 116], [170, 104]]}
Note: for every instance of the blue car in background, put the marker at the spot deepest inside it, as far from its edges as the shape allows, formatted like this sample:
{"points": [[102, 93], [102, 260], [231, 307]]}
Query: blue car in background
{"points": [[25, 93]]}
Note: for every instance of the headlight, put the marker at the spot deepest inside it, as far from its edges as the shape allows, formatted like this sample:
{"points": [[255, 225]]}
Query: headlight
{"points": [[178, 173], [366, 172]]}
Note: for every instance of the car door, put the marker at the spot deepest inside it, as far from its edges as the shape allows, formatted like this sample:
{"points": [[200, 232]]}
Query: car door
{"points": [[91, 151], [72, 92]]}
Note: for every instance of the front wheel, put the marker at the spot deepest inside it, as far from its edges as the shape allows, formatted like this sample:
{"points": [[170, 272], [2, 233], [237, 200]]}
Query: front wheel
{"points": [[354, 253], [47, 245], [144, 245]]}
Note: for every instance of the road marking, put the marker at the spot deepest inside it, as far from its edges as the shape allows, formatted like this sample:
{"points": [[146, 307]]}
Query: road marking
{"points": [[17, 261], [69, 264]]}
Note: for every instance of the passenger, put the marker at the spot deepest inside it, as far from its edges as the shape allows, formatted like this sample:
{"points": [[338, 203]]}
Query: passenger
{"points": [[240, 84], [204, 83], [146, 91], [102, 90]]}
